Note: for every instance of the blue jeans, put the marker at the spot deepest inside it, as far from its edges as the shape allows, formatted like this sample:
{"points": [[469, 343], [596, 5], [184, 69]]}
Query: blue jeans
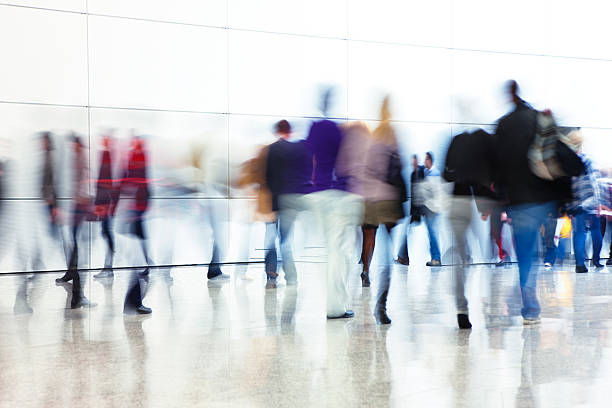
{"points": [[579, 225], [526, 220], [431, 220]]}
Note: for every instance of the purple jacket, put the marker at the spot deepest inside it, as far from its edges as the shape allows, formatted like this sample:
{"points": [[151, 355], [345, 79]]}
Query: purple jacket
{"points": [[324, 142]]}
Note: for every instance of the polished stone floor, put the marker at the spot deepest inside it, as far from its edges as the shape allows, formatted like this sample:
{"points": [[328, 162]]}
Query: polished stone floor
{"points": [[234, 343]]}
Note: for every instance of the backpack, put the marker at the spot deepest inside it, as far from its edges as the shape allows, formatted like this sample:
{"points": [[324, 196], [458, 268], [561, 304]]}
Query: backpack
{"points": [[551, 155], [469, 159]]}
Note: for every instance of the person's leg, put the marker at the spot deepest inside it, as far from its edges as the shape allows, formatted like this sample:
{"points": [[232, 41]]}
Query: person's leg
{"points": [[596, 237], [367, 250], [291, 205], [215, 217], [431, 220], [402, 255], [271, 261], [110, 242], [460, 217], [339, 213], [579, 237], [133, 297], [526, 220], [380, 310]]}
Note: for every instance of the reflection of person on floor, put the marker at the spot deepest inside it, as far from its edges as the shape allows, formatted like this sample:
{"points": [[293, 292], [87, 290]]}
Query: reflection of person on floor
{"points": [[105, 204], [135, 187], [81, 209]]}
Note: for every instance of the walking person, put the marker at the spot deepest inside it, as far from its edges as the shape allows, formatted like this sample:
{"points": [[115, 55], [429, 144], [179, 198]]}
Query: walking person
{"points": [[339, 211], [384, 193], [584, 209], [288, 176], [530, 197], [105, 204], [416, 208], [432, 206]]}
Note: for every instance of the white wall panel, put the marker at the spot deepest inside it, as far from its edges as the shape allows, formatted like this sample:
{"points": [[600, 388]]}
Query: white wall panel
{"points": [[316, 17], [418, 80], [44, 56], [209, 12], [283, 74], [408, 22], [157, 65], [521, 26]]}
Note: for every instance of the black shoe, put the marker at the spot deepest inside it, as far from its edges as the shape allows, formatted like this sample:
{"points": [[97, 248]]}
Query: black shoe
{"points": [[403, 261], [144, 273], [66, 278], [434, 262], [365, 279], [144, 310], [380, 314], [609, 261], [464, 321], [597, 265], [347, 315], [581, 269], [213, 272]]}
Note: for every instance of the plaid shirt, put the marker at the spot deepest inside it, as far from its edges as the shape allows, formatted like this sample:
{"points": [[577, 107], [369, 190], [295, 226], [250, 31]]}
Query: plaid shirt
{"points": [[585, 188]]}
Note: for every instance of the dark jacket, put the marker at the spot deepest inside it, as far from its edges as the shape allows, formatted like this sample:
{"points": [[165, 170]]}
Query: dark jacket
{"points": [[514, 135], [288, 169]]}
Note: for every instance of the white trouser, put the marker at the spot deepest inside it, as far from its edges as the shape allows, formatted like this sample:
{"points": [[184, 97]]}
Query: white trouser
{"points": [[339, 214]]}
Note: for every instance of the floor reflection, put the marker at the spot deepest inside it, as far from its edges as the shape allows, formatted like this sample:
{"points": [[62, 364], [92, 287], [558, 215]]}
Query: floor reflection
{"points": [[236, 343]]}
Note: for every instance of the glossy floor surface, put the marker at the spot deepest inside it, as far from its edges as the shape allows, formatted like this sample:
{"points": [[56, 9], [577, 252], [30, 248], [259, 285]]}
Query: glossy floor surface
{"points": [[234, 343]]}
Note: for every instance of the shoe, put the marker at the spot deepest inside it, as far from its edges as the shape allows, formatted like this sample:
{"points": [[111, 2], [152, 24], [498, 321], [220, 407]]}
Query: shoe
{"points": [[581, 269], [530, 321], [547, 265], [597, 264], [403, 261], [609, 261], [463, 321], [82, 302], [433, 262], [66, 278], [144, 310], [365, 279], [104, 274], [144, 273], [347, 315]]}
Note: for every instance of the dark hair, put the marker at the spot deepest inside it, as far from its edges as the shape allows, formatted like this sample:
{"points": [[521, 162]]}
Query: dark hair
{"points": [[415, 157], [282, 126], [513, 88], [429, 155]]}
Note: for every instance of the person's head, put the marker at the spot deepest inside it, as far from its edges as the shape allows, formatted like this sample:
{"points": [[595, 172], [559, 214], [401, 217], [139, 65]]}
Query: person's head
{"points": [[415, 161], [106, 141], [513, 91], [77, 143], [429, 159], [326, 99], [47, 142], [575, 140], [282, 129]]}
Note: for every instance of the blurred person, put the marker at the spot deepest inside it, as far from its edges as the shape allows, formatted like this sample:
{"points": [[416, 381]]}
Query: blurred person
{"points": [[416, 207], [469, 165], [384, 192], [287, 175], [585, 208], [134, 186], [81, 208], [339, 212], [563, 235], [105, 204], [530, 198], [432, 198], [254, 172]]}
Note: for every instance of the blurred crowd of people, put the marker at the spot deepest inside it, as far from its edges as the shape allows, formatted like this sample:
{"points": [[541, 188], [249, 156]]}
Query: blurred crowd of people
{"points": [[530, 175]]}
